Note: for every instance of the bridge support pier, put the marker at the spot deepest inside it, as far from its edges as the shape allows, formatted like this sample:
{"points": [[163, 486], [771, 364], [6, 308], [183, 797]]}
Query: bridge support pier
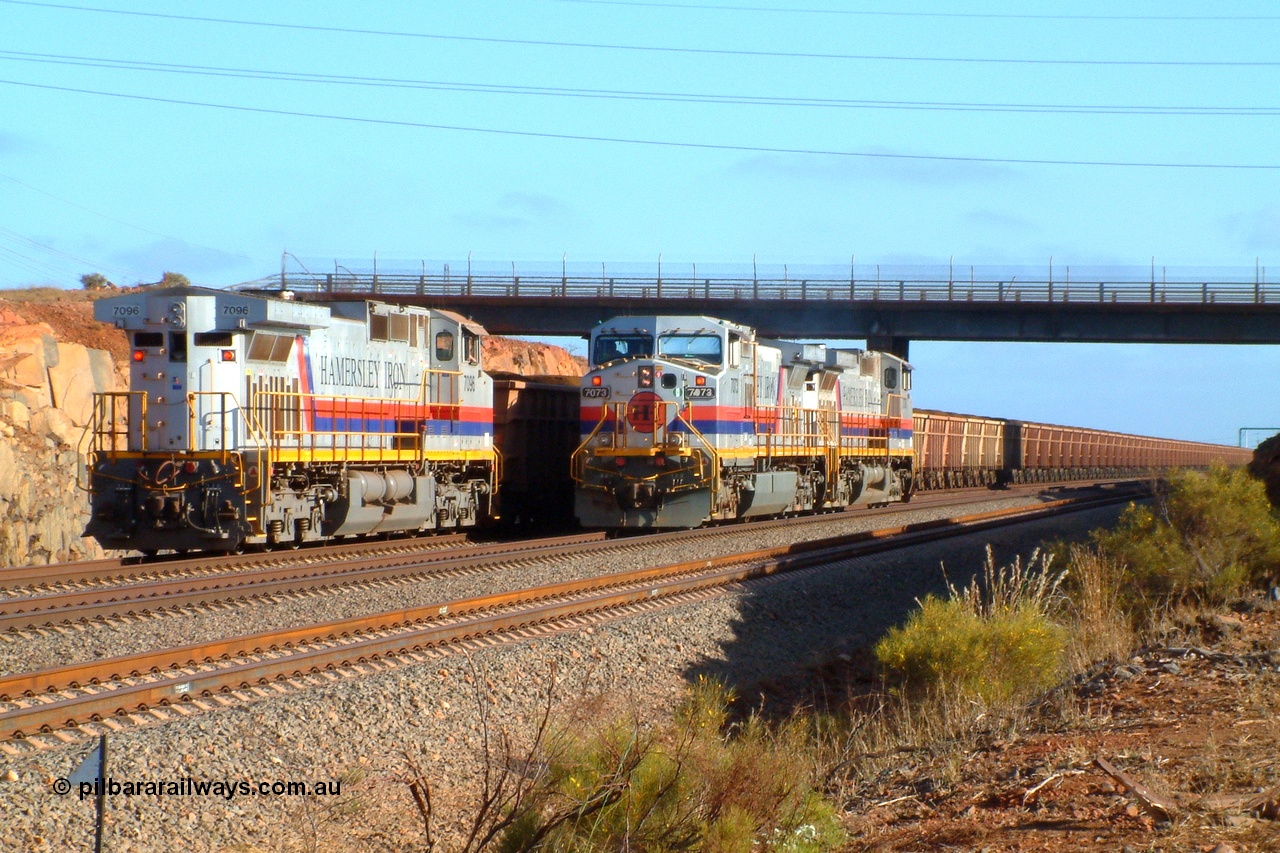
{"points": [[892, 344]]}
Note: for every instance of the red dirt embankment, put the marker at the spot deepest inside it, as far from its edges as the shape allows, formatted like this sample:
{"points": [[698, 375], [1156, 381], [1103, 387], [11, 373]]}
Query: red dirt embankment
{"points": [[69, 316]]}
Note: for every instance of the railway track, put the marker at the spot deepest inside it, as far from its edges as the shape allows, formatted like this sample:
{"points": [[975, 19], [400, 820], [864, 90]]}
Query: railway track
{"points": [[20, 581], [204, 582], [40, 706]]}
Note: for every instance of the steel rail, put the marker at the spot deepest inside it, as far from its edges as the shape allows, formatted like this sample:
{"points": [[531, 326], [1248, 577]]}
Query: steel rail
{"points": [[49, 610], [351, 641], [124, 568], [45, 610]]}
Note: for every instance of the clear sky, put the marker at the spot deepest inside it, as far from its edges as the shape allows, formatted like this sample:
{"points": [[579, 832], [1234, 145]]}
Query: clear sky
{"points": [[431, 130]]}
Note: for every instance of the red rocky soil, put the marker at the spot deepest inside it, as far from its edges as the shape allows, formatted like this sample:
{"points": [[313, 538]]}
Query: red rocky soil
{"points": [[1193, 727], [70, 315]]}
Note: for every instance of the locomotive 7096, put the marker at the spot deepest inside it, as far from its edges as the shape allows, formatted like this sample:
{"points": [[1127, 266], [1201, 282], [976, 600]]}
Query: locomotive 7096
{"points": [[691, 419], [265, 421]]}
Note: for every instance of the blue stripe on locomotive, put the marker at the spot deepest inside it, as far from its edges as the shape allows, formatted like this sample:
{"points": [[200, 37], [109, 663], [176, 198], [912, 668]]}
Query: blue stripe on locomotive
{"points": [[712, 427], [390, 425]]}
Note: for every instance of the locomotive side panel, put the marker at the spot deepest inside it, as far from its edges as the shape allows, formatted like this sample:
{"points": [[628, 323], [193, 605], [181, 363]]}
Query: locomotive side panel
{"points": [[690, 419], [256, 421]]}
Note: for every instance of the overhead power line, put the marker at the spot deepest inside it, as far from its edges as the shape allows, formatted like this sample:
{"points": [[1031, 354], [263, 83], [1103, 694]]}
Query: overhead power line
{"points": [[629, 95], [871, 13], [109, 218], [696, 51], [35, 266], [705, 146], [30, 244]]}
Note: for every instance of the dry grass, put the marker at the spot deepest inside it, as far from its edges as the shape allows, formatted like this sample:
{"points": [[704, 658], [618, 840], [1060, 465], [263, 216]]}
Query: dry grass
{"points": [[1100, 629], [44, 295], [957, 677]]}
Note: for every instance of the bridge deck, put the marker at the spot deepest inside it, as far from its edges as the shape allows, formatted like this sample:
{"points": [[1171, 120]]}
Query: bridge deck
{"points": [[1094, 311]]}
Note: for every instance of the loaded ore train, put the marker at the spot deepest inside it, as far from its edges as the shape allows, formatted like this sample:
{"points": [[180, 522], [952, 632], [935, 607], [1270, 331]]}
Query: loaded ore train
{"points": [[253, 421], [687, 420]]}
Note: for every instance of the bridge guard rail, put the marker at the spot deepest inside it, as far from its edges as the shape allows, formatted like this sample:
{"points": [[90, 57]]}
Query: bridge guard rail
{"points": [[848, 289]]}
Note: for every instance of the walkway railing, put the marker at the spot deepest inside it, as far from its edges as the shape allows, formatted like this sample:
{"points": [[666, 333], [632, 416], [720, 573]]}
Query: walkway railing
{"points": [[817, 289]]}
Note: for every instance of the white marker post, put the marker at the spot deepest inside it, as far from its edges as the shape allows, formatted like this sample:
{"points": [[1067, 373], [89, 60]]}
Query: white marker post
{"points": [[94, 768]]}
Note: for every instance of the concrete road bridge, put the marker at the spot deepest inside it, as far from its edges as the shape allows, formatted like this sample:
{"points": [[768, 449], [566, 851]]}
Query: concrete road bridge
{"points": [[888, 312]]}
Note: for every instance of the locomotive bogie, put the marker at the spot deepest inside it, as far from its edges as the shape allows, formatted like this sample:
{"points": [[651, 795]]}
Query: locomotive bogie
{"points": [[259, 421]]}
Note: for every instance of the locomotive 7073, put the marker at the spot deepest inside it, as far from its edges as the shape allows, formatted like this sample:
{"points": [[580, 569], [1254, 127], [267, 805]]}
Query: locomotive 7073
{"points": [[690, 419], [264, 421]]}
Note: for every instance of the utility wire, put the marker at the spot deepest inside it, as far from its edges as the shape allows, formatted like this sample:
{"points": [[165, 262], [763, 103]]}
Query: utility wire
{"points": [[705, 146], [35, 266], [627, 95], [867, 13], [109, 218], [29, 243], [698, 51]]}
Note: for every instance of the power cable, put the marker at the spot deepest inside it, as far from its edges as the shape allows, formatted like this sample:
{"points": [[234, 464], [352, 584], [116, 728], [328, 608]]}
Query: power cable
{"points": [[867, 13], [697, 51], [622, 94], [109, 218], [705, 146], [32, 265], [36, 244]]}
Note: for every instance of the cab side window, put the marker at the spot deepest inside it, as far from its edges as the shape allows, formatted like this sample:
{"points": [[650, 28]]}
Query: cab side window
{"points": [[890, 378], [444, 346], [470, 347]]}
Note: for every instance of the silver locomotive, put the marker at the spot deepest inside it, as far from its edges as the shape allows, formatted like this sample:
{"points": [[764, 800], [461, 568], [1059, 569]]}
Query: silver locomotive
{"points": [[687, 420]]}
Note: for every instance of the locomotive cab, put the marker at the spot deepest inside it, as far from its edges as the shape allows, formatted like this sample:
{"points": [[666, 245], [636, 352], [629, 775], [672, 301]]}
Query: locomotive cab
{"points": [[691, 419], [656, 386]]}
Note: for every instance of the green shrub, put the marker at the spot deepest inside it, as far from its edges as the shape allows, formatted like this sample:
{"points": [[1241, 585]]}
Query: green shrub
{"points": [[683, 786], [994, 640], [1208, 536]]}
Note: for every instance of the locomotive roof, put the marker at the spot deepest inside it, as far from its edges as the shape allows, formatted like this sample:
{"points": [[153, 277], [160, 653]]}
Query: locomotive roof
{"points": [[628, 323]]}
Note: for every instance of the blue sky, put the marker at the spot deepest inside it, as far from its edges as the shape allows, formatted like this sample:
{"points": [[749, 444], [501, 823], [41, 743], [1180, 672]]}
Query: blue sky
{"points": [[132, 187]]}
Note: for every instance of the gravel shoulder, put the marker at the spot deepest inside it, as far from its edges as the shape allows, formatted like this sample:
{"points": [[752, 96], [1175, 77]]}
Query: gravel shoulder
{"points": [[358, 731], [71, 644]]}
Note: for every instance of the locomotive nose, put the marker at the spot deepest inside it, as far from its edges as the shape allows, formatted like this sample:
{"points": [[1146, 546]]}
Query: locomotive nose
{"points": [[633, 495], [161, 506]]}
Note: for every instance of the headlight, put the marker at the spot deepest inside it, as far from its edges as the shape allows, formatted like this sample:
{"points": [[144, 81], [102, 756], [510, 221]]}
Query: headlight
{"points": [[604, 440]]}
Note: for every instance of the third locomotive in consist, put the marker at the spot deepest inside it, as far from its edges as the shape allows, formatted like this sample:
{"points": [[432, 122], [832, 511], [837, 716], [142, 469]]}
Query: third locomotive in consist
{"points": [[689, 419]]}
